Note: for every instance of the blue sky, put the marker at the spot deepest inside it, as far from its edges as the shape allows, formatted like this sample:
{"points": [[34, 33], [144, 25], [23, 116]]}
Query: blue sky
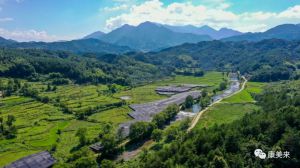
{"points": [[50, 20]]}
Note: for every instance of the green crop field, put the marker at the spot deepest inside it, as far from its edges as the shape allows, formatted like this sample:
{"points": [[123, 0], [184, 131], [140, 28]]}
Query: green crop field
{"points": [[147, 93], [38, 123], [209, 78], [232, 108], [225, 113], [246, 96], [79, 98], [119, 115]]}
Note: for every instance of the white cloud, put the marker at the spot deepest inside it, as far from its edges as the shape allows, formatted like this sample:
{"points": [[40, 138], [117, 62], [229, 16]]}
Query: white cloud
{"points": [[6, 19], [214, 13], [122, 1], [115, 8], [292, 12], [27, 35], [175, 13]]}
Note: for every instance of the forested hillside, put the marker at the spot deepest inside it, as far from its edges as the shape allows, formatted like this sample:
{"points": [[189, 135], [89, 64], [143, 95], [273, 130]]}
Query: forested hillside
{"points": [[37, 65], [274, 128], [268, 60], [75, 46]]}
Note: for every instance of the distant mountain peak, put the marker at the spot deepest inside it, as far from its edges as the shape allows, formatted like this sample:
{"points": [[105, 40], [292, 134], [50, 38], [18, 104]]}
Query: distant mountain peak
{"points": [[284, 31], [149, 36], [206, 27], [4, 41], [95, 35], [146, 23], [149, 24], [204, 30]]}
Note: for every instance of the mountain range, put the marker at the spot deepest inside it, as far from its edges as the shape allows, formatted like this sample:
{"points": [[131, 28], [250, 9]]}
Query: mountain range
{"points": [[150, 36], [285, 32], [95, 35], [205, 30], [77, 46]]}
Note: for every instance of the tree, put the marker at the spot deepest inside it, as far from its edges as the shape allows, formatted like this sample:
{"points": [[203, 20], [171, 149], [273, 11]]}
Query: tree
{"points": [[48, 87], [219, 162], [107, 164], [140, 130], [86, 162], [231, 144], [109, 143], [1, 126], [10, 120], [222, 86], [159, 119], [81, 133], [112, 88], [156, 135], [189, 101], [204, 93]]}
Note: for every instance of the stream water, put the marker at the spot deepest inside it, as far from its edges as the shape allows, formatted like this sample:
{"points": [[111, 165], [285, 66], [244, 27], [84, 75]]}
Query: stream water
{"points": [[234, 87]]}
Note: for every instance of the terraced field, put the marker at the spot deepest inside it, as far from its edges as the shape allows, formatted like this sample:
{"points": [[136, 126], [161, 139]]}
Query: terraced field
{"points": [[43, 126], [37, 126], [80, 98]]}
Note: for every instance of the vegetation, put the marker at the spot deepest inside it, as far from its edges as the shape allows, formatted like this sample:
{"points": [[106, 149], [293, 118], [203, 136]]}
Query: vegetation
{"points": [[37, 65], [143, 130], [264, 60], [62, 102], [273, 128], [7, 128]]}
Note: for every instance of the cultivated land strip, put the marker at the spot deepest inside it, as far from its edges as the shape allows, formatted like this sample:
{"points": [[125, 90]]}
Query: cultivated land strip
{"points": [[198, 116]]}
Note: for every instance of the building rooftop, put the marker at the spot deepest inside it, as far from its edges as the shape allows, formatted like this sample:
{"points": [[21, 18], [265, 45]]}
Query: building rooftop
{"points": [[97, 147], [38, 160], [145, 112]]}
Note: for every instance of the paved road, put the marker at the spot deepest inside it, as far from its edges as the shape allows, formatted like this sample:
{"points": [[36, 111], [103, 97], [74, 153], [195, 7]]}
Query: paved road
{"points": [[198, 116]]}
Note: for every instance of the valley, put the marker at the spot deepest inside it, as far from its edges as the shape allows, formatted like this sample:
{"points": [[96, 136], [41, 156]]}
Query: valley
{"points": [[44, 126], [157, 85]]}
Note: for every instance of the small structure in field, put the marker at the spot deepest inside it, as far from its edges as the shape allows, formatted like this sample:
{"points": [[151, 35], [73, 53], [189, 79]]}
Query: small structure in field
{"points": [[171, 90], [145, 112], [125, 97], [38, 160], [97, 147]]}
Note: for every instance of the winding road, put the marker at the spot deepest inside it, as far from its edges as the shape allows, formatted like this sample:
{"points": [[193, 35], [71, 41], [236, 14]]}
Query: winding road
{"points": [[198, 116]]}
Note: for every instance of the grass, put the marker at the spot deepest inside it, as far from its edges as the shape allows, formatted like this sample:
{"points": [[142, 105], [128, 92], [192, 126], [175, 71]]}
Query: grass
{"points": [[225, 113], [209, 78], [232, 108], [147, 93], [119, 115], [246, 96]]}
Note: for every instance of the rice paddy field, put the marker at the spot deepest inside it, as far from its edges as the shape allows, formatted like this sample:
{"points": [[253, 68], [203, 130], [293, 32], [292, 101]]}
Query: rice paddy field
{"points": [[38, 123], [80, 98], [232, 108]]}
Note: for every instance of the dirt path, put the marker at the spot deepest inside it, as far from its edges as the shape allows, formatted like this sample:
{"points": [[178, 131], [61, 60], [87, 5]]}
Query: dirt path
{"points": [[198, 116], [127, 155]]}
